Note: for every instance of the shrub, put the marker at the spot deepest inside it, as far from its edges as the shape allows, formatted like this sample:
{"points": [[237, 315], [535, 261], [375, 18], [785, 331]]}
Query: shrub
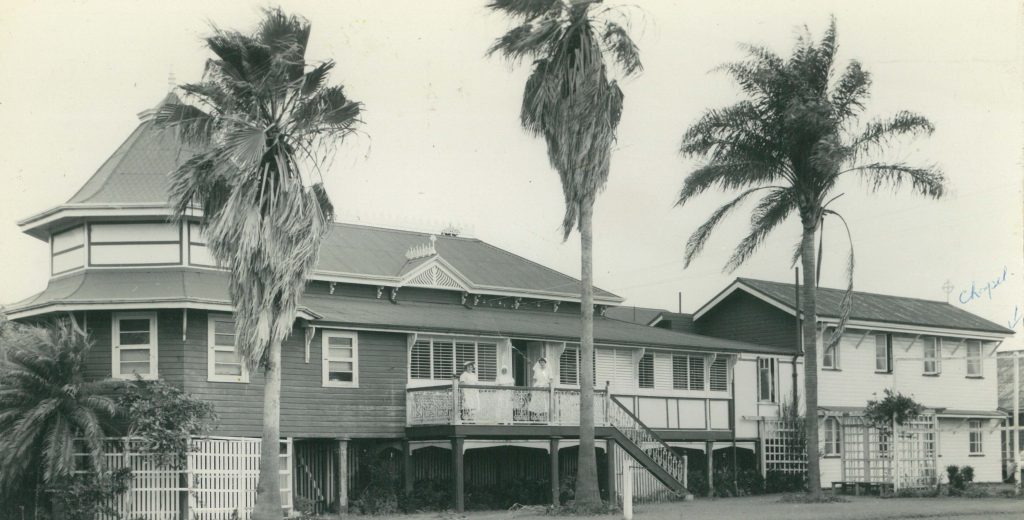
{"points": [[744, 482], [782, 482], [959, 478], [165, 418], [428, 495], [86, 496]]}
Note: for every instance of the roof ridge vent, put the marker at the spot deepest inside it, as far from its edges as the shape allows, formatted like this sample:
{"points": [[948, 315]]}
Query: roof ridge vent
{"points": [[422, 250]]}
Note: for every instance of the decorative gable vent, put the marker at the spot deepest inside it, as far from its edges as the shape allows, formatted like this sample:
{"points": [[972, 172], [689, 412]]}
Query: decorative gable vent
{"points": [[435, 277]]}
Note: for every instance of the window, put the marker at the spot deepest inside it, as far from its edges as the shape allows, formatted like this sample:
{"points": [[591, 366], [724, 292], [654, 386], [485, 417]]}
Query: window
{"points": [[766, 380], [932, 355], [645, 371], [687, 372], [832, 443], [341, 359], [68, 250], [149, 243], [224, 363], [719, 375], [974, 437], [198, 252], [568, 366], [973, 359], [443, 359], [134, 345], [883, 353], [830, 357], [883, 444]]}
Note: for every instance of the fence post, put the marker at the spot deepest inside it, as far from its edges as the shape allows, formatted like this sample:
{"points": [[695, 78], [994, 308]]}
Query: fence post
{"points": [[343, 475], [183, 486], [627, 489], [895, 456]]}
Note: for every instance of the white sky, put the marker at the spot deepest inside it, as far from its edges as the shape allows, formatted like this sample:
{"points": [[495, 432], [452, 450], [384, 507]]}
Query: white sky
{"points": [[444, 143]]}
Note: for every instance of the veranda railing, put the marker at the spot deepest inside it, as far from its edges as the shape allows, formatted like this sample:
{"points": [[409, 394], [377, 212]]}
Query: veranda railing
{"points": [[456, 403]]}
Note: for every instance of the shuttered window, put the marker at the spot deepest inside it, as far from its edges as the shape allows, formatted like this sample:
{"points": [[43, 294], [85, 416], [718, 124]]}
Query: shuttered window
{"points": [[419, 360], [443, 359], [645, 371], [766, 380], [883, 353], [687, 372], [719, 375], [568, 366]]}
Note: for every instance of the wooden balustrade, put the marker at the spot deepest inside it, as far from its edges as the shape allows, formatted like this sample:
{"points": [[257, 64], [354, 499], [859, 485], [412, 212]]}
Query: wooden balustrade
{"points": [[457, 403]]}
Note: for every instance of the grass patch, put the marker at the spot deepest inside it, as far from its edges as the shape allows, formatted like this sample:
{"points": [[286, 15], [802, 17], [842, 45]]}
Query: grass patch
{"points": [[808, 499]]}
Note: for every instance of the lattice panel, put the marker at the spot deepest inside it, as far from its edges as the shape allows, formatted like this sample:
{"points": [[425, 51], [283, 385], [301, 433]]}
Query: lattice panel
{"points": [[784, 447]]}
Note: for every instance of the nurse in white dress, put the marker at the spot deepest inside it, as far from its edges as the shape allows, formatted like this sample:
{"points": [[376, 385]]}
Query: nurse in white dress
{"points": [[539, 399], [470, 396]]}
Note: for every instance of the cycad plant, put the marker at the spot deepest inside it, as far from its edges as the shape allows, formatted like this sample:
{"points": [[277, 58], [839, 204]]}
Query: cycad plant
{"points": [[570, 101], [47, 406], [265, 122], [793, 138]]}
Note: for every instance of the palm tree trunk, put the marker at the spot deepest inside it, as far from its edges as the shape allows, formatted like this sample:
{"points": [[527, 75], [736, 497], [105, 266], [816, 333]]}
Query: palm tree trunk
{"points": [[587, 493], [268, 491], [810, 289]]}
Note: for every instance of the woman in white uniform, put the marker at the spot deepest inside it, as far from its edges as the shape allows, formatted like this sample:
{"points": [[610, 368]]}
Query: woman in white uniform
{"points": [[539, 398], [470, 396]]}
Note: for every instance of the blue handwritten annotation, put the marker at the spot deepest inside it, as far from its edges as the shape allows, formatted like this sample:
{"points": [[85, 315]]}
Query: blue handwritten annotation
{"points": [[977, 291]]}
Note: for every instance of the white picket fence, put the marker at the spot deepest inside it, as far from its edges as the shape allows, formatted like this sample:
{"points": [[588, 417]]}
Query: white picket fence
{"points": [[219, 478]]}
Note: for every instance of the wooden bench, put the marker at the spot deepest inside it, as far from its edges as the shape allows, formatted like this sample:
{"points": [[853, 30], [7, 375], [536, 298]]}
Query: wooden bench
{"points": [[868, 488]]}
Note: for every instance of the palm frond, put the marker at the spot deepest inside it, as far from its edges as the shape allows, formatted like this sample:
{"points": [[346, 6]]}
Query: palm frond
{"points": [[771, 211], [851, 91], [622, 48], [846, 304], [928, 181], [523, 9], [699, 237], [880, 132]]}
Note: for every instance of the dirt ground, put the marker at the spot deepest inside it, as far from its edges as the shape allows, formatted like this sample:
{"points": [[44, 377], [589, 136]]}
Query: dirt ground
{"points": [[768, 507]]}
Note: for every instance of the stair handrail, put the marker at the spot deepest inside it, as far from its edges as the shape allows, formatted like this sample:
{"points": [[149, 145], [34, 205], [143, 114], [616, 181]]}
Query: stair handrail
{"points": [[674, 459]]}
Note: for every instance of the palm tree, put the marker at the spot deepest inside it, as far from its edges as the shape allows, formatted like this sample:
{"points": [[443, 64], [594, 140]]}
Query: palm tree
{"points": [[793, 138], [46, 404], [265, 121], [571, 103]]}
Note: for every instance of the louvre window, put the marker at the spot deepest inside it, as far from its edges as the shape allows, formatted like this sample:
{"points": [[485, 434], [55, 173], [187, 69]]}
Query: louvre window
{"points": [[974, 359], [687, 372], [68, 250], [568, 366], [148, 243], [645, 370], [719, 376], [443, 359], [134, 345], [225, 364], [340, 359]]}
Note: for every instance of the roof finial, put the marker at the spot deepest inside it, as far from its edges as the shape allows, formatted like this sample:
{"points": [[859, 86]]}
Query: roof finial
{"points": [[171, 81]]}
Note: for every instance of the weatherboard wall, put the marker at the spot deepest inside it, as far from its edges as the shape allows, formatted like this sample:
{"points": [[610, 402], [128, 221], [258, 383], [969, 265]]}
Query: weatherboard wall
{"points": [[743, 317]]}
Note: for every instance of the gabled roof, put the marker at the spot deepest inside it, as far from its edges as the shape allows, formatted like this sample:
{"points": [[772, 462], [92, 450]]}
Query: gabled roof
{"points": [[867, 307]]}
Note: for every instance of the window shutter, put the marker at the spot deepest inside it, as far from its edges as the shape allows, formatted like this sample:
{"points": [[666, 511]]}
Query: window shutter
{"points": [[719, 377], [419, 360], [696, 372], [645, 371], [680, 372], [568, 366], [487, 361], [443, 360]]}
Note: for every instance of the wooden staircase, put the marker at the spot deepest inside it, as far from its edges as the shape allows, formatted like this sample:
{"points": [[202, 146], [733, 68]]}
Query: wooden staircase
{"points": [[640, 442]]}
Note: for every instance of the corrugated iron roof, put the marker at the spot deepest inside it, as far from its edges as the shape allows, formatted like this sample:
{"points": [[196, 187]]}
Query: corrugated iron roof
{"points": [[137, 170], [137, 173], [881, 307], [133, 287]]}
